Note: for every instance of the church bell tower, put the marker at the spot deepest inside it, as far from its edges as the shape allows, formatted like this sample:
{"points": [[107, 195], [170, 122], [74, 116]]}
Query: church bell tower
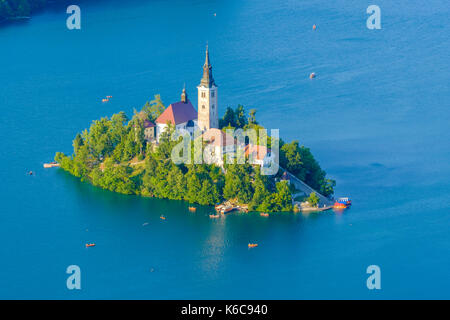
{"points": [[208, 116]]}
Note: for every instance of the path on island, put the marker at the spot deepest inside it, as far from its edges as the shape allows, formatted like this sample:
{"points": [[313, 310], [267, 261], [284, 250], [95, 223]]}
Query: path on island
{"points": [[307, 190]]}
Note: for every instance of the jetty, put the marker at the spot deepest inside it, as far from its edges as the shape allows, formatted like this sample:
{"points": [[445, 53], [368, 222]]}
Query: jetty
{"points": [[51, 165], [307, 208], [229, 206]]}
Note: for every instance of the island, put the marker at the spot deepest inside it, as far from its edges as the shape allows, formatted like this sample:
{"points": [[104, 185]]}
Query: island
{"points": [[135, 156]]}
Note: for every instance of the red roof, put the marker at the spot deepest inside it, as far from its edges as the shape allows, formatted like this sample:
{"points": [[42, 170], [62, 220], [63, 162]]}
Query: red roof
{"points": [[177, 113]]}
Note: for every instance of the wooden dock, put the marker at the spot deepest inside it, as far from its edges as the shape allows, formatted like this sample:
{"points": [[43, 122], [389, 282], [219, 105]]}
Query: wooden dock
{"points": [[51, 165], [228, 207]]}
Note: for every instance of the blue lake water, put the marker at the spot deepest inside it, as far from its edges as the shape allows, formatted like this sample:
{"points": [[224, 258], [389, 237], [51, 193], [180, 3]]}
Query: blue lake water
{"points": [[376, 117]]}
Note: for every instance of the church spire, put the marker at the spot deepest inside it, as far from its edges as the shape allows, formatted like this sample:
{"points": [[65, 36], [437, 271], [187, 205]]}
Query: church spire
{"points": [[184, 97], [207, 79]]}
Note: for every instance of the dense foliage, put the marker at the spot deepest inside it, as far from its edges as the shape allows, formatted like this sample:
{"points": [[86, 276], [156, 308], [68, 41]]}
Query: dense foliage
{"points": [[113, 154]]}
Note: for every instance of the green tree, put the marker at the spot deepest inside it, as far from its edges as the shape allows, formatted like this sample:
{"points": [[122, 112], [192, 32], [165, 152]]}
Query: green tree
{"points": [[313, 199], [261, 193], [77, 143], [154, 108], [208, 194], [291, 160], [284, 196], [176, 184], [252, 117], [238, 183], [194, 186], [327, 187], [99, 138], [228, 118], [241, 118]]}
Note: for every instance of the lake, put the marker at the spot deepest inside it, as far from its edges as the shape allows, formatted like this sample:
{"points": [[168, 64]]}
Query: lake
{"points": [[376, 117]]}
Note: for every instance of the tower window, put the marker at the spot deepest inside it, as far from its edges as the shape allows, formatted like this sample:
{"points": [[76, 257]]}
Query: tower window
{"points": [[203, 94], [203, 106], [212, 94], [213, 107]]}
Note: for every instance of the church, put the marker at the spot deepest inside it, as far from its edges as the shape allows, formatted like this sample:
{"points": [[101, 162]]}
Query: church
{"points": [[182, 114]]}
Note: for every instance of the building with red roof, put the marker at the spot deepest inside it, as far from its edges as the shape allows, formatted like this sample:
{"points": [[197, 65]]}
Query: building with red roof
{"points": [[149, 130], [181, 115]]}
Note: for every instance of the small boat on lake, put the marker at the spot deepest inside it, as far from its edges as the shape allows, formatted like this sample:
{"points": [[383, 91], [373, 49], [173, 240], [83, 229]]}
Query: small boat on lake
{"points": [[213, 216], [162, 218], [90, 245], [262, 214], [192, 209], [252, 245], [312, 75]]}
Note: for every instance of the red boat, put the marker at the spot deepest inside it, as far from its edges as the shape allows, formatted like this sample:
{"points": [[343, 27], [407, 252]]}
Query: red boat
{"points": [[342, 203]]}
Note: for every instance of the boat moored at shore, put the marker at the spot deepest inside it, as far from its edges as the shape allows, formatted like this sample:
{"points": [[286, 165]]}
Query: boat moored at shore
{"points": [[342, 203]]}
